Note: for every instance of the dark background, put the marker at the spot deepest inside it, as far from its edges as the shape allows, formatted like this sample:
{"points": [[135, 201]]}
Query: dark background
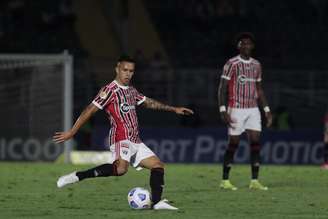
{"points": [[180, 48]]}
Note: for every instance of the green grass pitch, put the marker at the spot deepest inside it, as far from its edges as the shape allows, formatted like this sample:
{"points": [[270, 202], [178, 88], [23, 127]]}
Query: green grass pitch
{"points": [[28, 190]]}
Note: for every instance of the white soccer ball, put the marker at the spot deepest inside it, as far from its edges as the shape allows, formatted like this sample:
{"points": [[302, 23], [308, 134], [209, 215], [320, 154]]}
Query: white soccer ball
{"points": [[139, 198]]}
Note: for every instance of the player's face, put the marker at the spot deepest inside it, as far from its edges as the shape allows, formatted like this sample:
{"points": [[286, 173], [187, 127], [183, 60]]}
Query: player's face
{"points": [[246, 47], [124, 72]]}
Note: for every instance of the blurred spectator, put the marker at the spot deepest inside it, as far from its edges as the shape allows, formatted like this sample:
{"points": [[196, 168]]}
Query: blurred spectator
{"points": [[16, 13], [140, 59], [158, 62], [225, 8], [193, 121], [66, 13], [204, 10], [198, 25], [50, 23], [2, 26], [282, 120], [83, 137]]}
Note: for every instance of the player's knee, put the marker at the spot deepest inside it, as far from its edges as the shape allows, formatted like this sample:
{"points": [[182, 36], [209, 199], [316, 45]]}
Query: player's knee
{"points": [[158, 165], [232, 147], [121, 167], [255, 146], [120, 171], [233, 139]]}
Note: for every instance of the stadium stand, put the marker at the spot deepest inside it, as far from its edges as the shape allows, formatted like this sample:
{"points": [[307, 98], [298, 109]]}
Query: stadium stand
{"points": [[287, 36]]}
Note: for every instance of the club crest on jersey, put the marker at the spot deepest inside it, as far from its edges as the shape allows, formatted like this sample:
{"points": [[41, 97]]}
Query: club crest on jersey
{"points": [[103, 95], [242, 79], [125, 108]]}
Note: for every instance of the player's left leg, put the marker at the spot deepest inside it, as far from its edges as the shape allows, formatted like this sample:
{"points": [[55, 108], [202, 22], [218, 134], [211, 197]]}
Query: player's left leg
{"points": [[324, 166], [156, 182], [254, 141]]}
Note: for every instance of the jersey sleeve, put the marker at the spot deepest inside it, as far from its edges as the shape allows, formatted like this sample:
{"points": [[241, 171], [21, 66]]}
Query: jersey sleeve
{"points": [[259, 73], [228, 70], [139, 97], [103, 98]]}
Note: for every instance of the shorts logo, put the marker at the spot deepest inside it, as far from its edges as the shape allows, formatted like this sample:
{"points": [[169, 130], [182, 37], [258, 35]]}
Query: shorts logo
{"points": [[125, 152], [125, 108], [124, 145]]}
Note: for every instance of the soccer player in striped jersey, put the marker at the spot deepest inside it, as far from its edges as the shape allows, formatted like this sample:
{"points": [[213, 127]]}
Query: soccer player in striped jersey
{"points": [[119, 100], [239, 92], [325, 141]]}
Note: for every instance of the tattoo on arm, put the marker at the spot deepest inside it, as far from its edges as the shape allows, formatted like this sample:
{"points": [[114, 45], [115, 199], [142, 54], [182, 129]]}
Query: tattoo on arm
{"points": [[156, 105], [222, 92]]}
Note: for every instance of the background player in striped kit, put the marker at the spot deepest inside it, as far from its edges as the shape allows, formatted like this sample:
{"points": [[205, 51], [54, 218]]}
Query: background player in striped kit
{"points": [[239, 91], [325, 141], [119, 100]]}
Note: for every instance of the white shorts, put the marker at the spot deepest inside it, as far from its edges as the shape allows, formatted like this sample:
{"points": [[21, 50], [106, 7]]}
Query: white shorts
{"points": [[244, 119], [132, 152]]}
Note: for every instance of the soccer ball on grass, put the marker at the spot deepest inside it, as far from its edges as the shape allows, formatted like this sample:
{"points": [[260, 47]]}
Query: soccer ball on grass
{"points": [[139, 198]]}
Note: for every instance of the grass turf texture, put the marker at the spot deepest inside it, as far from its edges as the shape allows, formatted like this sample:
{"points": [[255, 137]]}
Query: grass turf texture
{"points": [[28, 190]]}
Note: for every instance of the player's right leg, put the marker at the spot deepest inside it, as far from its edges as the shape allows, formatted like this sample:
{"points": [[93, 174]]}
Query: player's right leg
{"points": [[122, 153], [234, 131], [227, 162], [118, 168], [324, 166]]}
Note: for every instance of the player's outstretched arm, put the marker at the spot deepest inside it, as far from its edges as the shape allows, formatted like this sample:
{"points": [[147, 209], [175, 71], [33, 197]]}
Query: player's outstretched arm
{"points": [[60, 137], [264, 104], [156, 105]]}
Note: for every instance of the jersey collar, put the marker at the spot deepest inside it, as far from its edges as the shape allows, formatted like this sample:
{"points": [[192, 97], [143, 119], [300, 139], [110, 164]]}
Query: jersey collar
{"points": [[121, 86], [244, 60]]}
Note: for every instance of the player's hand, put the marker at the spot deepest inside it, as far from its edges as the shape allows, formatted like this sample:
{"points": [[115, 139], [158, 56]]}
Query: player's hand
{"points": [[60, 137], [227, 119], [268, 117], [183, 111]]}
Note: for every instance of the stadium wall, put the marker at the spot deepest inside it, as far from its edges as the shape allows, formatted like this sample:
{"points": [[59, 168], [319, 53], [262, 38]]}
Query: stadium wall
{"points": [[207, 145], [184, 145]]}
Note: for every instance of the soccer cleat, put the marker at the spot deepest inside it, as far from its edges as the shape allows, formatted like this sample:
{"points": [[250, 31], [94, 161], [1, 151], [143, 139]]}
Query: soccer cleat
{"points": [[226, 184], [163, 205], [67, 179], [324, 166], [256, 185]]}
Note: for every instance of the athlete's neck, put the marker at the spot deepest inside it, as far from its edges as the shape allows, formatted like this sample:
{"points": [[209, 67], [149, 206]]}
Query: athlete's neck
{"points": [[245, 57], [120, 83]]}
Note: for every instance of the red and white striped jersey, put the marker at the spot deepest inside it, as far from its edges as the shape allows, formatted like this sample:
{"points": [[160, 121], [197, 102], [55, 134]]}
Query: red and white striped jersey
{"points": [[120, 103], [325, 120], [242, 76]]}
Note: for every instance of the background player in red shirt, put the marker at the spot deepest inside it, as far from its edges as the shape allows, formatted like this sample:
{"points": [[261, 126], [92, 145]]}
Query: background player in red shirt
{"points": [[325, 141], [239, 91], [119, 100]]}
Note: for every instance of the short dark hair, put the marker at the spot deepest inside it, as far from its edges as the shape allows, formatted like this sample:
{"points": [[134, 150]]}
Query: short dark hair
{"points": [[125, 58], [244, 35]]}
